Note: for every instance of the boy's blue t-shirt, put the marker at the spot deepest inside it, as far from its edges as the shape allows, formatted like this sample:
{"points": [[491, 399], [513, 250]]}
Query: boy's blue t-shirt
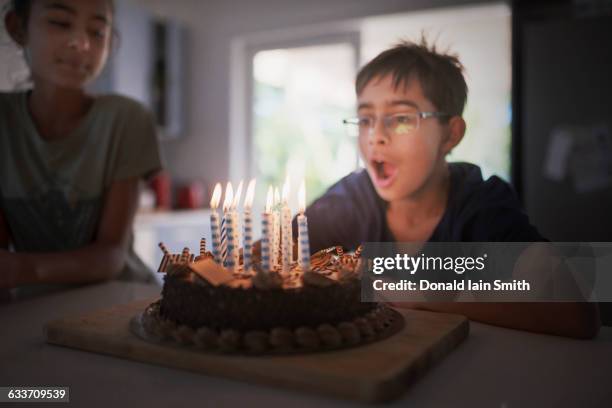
{"points": [[351, 212]]}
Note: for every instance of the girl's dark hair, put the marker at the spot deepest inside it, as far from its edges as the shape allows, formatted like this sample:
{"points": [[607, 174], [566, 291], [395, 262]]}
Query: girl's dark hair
{"points": [[22, 8]]}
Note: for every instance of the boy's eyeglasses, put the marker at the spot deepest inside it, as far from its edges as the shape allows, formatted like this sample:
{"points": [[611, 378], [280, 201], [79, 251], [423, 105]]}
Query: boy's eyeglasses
{"points": [[398, 124]]}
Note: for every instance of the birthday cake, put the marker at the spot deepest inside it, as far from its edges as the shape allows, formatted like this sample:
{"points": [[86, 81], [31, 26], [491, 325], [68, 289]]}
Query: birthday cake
{"points": [[205, 305], [263, 301]]}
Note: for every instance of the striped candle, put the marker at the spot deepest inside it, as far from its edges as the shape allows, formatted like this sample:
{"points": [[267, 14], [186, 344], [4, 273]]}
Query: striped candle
{"points": [[303, 243], [276, 230], [248, 226], [287, 236], [225, 227], [265, 241], [236, 229], [236, 215], [287, 239], [223, 241], [247, 240], [215, 230], [229, 261], [274, 237], [267, 229], [236, 253], [216, 236]]}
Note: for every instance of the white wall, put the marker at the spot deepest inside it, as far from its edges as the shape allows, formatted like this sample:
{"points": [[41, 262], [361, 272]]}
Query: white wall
{"points": [[131, 69], [203, 151], [12, 67]]}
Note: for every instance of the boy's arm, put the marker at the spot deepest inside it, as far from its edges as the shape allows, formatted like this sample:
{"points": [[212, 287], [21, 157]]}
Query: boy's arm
{"points": [[101, 260], [542, 264], [571, 319]]}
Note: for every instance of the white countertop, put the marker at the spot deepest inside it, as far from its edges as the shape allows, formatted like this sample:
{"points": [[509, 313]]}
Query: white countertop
{"points": [[494, 367], [172, 218]]}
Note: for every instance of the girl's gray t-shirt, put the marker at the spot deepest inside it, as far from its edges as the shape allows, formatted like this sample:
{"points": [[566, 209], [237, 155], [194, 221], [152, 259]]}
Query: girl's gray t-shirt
{"points": [[52, 192]]}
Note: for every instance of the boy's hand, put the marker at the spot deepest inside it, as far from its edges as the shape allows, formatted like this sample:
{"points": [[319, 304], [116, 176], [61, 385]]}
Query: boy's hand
{"points": [[9, 269]]}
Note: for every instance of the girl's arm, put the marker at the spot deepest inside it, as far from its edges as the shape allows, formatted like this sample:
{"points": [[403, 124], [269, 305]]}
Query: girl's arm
{"points": [[571, 319], [101, 260]]}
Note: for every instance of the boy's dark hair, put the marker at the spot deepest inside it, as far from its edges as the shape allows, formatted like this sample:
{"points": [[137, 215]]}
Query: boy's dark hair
{"points": [[440, 74]]}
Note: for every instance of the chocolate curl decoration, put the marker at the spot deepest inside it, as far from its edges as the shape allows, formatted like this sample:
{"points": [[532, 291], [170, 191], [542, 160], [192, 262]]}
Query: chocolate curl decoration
{"points": [[164, 263], [348, 261], [185, 255], [163, 248], [202, 246]]}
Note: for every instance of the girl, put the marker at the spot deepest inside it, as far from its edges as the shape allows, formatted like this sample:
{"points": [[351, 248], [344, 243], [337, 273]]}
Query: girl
{"points": [[70, 163]]}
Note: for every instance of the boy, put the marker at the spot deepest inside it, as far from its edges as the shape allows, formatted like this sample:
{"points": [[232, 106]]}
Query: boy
{"points": [[410, 102]]}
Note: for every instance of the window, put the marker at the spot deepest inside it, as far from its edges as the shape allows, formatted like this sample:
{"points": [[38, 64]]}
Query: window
{"points": [[480, 36], [300, 96]]}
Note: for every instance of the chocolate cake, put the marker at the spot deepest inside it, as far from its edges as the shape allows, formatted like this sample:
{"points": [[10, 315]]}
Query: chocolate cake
{"points": [[205, 305], [329, 295]]}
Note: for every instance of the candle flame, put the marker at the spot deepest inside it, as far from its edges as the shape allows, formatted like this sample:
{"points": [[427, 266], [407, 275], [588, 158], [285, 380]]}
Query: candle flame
{"points": [[216, 197], [276, 196], [286, 190], [229, 197], [250, 193], [302, 197], [236, 200], [269, 200]]}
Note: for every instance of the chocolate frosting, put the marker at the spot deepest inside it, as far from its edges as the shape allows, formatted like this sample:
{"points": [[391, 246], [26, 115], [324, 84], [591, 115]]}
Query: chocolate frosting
{"points": [[329, 295]]}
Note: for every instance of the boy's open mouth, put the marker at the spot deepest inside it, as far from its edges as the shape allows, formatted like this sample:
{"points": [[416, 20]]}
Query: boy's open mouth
{"points": [[384, 173]]}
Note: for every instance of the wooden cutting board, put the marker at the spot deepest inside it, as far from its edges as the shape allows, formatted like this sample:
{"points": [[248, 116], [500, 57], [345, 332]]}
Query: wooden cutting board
{"points": [[375, 372]]}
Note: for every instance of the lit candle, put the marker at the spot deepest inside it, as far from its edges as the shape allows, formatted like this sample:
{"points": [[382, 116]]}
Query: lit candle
{"points": [[215, 230], [229, 261], [276, 229], [287, 239], [303, 243], [236, 218], [248, 226], [266, 231], [228, 187]]}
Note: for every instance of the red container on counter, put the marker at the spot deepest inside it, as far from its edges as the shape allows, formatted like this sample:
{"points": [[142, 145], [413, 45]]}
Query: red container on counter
{"points": [[162, 186], [191, 196]]}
